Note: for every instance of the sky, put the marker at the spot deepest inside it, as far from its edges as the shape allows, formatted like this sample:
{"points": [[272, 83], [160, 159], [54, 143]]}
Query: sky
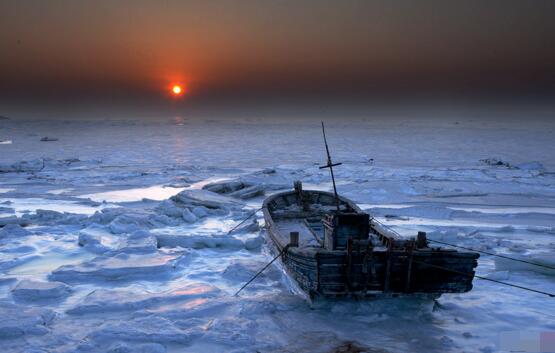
{"points": [[61, 56]]}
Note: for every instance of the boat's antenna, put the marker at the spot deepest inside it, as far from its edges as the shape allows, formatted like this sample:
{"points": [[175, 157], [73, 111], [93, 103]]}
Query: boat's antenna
{"points": [[330, 165]]}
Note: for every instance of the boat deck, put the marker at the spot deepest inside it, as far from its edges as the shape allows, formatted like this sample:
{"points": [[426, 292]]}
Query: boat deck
{"points": [[307, 236], [311, 233]]}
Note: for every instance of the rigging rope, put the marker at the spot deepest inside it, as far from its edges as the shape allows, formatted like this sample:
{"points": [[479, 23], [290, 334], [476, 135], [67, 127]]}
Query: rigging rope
{"points": [[262, 270], [244, 220], [471, 249], [477, 276], [493, 254], [486, 279]]}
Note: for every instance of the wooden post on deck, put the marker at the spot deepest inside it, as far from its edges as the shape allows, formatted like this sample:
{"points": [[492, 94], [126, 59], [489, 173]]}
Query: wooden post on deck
{"points": [[409, 266], [421, 241], [388, 266], [294, 239]]}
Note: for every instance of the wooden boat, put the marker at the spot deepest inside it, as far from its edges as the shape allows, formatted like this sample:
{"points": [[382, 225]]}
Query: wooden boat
{"points": [[333, 249]]}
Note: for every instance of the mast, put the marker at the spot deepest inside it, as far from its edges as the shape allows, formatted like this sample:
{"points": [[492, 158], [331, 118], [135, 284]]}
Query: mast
{"points": [[330, 165]]}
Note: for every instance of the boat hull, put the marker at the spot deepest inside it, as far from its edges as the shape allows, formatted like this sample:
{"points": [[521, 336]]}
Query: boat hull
{"points": [[385, 271]]}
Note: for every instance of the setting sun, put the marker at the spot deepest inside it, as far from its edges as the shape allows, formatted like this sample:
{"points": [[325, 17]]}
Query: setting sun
{"points": [[177, 90]]}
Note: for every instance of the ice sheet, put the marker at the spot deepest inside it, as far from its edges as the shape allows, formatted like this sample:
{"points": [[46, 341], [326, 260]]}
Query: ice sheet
{"points": [[157, 273]]}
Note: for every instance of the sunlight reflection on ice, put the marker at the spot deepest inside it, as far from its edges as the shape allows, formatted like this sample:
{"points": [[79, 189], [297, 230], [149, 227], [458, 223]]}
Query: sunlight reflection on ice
{"points": [[206, 225], [22, 206], [156, 192], [49, 262]]}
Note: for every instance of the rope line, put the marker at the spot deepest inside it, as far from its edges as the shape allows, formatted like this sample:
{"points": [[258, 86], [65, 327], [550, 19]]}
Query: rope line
{"points": [[477, 276], [552, 295], [493, 254], [471, 249], [244, 220], [262, 270]]}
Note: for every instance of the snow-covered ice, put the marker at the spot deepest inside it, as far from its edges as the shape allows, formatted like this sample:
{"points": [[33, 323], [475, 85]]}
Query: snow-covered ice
{"points": [[120, 267], [17, 321], [131, 251], [29, 290], [102, 301]]}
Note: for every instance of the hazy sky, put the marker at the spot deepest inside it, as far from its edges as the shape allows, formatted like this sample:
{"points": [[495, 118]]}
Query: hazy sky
{"points": [[125, 52]]}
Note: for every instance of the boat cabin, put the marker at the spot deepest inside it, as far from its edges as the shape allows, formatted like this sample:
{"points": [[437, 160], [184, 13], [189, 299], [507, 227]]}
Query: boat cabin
{"points": [[340, 226]]}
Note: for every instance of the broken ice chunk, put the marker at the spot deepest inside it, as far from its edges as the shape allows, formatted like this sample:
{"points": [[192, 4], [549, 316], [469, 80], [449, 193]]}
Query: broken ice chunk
{"points": [[102, 300], [97, 240], [29, 290], [138, 242], [204, 198], [147, 329], [13, 230], [199, 241], [248, 227], [17, 320], [225, 187], [188, 216], [243, 270], [4, 221], [254, 243], [126, 224], [168, 208], [249, 192], [200, 211], [120, 267], [236, 188], [251, 185]]}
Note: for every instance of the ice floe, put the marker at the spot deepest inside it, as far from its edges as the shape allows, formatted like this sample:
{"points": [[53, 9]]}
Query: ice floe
{"points": [[152, 329], [13, 230], [120, 267], [109, 301], [99, 240], [241, 271], [188, 216], [18, 320], [208, 199], [8, 261], [14, 220], [127, 224], [254, 243], [254, 184], [199, 241], [29, 290]]}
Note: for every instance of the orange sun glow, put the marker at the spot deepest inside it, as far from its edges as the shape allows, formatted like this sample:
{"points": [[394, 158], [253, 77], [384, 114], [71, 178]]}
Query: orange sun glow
{"points": [[177, 90]]}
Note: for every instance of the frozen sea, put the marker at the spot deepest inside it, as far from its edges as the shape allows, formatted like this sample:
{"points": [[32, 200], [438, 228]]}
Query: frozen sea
{"points": [[96, 255]]}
